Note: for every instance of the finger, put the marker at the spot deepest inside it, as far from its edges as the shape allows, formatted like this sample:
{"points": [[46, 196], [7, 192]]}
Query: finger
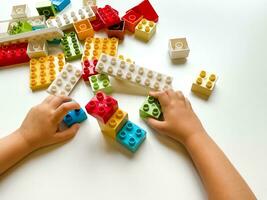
{"points": [[58, 100], [63, 109], [161, 96], [187, 103], [180, 95], [48, 99], [171, 94], [67, 134], [155, 124]]}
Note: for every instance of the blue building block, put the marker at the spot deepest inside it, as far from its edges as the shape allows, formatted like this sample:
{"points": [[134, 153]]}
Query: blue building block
{"points": [[60, 4], [54, 41], [75, 116], [131, 136]]}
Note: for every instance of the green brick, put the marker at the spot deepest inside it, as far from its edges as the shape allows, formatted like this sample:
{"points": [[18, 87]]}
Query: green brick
{"points": [[150, 108], [19, 27], [46, 8], [100, 82], [71, 46]]}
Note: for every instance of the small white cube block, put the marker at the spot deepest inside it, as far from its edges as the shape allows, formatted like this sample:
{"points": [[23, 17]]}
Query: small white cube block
{"points": [[178, 48], [20, 11], [37, 49]]}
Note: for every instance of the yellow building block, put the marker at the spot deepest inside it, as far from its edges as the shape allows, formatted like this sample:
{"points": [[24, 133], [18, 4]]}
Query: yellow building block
{"points": [[44, 70], [93, 47], [145, 29], [84, 29], [114, 124], [204, 84]]}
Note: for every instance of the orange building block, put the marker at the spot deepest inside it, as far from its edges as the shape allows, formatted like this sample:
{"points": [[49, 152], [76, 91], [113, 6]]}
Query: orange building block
{"points": [[84, 29]]}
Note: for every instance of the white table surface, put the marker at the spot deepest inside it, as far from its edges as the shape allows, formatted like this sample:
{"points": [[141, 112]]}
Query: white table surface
{"points": [[226, 37]]}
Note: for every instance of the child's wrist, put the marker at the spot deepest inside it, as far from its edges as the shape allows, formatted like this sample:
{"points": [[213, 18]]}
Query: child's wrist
{"points": [[193, 138], [23, 141]]}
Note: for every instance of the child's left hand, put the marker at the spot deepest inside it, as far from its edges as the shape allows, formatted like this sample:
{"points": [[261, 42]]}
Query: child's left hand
{"points": [[41, 126]]}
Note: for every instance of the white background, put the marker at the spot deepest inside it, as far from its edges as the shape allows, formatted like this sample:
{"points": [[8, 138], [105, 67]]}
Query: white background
{"points": [[226, 37]]}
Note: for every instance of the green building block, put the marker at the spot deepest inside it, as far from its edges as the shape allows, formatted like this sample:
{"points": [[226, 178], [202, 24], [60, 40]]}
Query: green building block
{"points": [[19, 27], [100, 82], [150, 108], [46, 8], [71, 46]]}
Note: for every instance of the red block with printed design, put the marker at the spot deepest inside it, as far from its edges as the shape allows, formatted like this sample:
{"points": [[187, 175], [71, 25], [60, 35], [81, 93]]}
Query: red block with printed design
{"points": [[131, 19], [108, 15], [89, 69], [102, 107]]}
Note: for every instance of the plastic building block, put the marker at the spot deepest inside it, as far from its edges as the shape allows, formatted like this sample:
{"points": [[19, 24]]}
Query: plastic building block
{"points": [[88, 69], [147, 10], [54, 41], [108, 16], [20, 26], [120, 69], [131, 19], [178, 48], [41, 34], [13, 54], [20, 11], [102, 107], [65, 81], [145, 30], [131, 136], [117, 30], [100, 82], [114, 124], [60, 4], [71, 46], [37, 49], [65, 21], [121, 57], [84, 29], [97, 24], [44, 70], [150, 108], [46, 8], [75, 116], [89, 2], [93, 47], [37, 22], [204, 84]]}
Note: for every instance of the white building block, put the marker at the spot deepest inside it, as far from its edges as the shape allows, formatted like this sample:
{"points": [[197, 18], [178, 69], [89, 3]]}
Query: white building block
{"points": [[135, 74], [20, 11], [37, 49], [65, 81], [66, 20], [41, 34], [37, 22], [89, 2], [178, 48]]}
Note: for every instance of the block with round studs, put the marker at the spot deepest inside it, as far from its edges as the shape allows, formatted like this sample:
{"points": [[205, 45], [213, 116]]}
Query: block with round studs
{"points": [[88, 69], [150, 108], [84, 29], [133, 73], [108, 16], [204, 84], [178, 48], [75, 116], [71, 46], [100, 82], [131, 19], [145, 29]]}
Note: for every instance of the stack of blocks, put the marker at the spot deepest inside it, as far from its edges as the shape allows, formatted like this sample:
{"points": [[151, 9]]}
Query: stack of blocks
{"points": [[114, 122], [71, 46]]}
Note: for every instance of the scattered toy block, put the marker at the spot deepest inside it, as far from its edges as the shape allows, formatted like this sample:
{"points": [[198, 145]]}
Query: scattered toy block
{"points": [[146, 9], [71, 46], [75, 116], [93, 47], [132, 73], [89, 69], [114, 124], [145, 30], [89, 2], [46, 8], [84, 29], [43, 71], [20, 11], [13, 54], [131, 136], [204, 84], [20, 26], [117, 30], [150, 108], [178, 48], [102, 107], [108, 16], [131, 19], [100, 82], [65, 21], [97, 24], [65, 81], [60, 4], [37, 22], [37, 49], [129, 60]]}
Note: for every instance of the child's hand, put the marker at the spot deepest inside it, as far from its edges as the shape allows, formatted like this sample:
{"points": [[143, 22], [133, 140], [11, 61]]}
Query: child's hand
{"points": [[180, 121], [41, 125]]}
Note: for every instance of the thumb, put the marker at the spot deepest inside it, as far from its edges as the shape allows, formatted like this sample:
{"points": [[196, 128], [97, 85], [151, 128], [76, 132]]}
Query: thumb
{"points": [[67, 134], [155, 124]]}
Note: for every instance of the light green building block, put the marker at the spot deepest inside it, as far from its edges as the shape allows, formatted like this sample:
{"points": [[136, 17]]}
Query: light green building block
{"points": [[150, 108], [71, 46], [100, 82], [19, 27]]}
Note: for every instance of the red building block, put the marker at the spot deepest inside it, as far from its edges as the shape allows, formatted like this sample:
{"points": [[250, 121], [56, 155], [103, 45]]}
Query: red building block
{"points": [[88, 69], [108, 16], [131, 19], [146, 9], [13, 54], [117, 30], [102, 107], [97, 24]]}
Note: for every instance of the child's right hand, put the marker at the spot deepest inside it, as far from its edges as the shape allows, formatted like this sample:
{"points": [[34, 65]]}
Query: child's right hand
{"points": [[180, 121]]}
